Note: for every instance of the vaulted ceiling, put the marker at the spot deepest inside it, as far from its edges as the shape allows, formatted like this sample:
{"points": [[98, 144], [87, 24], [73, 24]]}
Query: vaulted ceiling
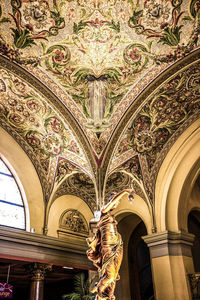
{"points": [[96, 92]]}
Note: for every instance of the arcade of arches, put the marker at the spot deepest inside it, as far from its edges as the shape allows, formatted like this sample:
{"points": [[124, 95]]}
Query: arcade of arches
{"points": [[97, 96]]}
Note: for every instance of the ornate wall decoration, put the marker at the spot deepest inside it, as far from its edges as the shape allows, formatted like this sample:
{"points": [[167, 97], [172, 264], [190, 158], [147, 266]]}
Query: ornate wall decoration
{"points": [[72, 221], [28, 115], [80, 185], [65, 167], [41, 127], [115, 183], [127, 175], [35, 20], [166, 112], [29, 151], [133, 167], [97, 51]]}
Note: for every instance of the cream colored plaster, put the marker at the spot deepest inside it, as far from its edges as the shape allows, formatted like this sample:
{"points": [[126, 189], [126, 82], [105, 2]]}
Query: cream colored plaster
{"points": [[60, 205], [170, 277], [175, 181], [13, 153], [138, 207]]}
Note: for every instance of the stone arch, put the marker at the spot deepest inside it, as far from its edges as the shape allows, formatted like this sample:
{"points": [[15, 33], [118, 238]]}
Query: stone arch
{"points": [[138, 207], [176, 179], [24, 170]]}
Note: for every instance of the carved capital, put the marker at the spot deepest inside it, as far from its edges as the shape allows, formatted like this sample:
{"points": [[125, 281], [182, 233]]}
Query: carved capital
{"points": [[38, 271]]}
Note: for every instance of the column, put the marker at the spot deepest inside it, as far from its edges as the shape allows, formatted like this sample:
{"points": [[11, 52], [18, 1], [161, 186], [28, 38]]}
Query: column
{"points": [[38, 271], [171, 262]]}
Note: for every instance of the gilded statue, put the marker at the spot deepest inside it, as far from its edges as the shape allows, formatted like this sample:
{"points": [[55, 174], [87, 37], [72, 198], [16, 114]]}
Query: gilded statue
{"points": [[106, 250]]}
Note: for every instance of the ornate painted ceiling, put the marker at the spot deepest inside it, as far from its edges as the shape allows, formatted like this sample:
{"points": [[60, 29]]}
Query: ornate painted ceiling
{"points": [[98, 88]]}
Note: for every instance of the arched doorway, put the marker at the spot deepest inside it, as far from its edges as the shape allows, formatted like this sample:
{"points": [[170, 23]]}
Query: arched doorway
{"points": [[141, 285], [135, 281]]}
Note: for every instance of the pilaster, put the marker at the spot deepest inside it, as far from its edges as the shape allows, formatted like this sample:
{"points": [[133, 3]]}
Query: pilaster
{"points": [[171, 260]]}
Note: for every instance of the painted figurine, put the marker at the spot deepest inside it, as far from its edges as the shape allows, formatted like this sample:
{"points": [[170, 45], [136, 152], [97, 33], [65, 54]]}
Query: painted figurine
{"points": [[106, 250]]}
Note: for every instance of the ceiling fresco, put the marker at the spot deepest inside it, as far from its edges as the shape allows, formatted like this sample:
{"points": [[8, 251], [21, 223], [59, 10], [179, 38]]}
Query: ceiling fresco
{"points": [[80, 185], [151, 133], [43, 130], [98, 55], [96, 92]]}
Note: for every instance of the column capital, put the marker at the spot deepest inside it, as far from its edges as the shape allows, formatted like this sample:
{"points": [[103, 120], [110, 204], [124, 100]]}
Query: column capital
{"points": [[38, 270], [169, 243]]}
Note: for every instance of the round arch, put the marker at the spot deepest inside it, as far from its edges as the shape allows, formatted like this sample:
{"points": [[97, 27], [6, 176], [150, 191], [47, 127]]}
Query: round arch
{"points": [[24, 170], [129, 217], [60, 205], [138, 207], [176, 180]]}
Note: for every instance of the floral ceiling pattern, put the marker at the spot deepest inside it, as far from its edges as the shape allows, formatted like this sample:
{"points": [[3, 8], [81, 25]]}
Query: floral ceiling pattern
{"points": [[80, 185], [97, 57], [174, 106], [29, 115], [97, 51]]}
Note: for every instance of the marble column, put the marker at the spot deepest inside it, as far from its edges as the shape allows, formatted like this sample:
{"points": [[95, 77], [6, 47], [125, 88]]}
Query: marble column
{"points": [[171, 262], [38, 271]]}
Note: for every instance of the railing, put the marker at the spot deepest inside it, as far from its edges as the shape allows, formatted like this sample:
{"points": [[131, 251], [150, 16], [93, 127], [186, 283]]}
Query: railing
{"points": [[195, 285]]}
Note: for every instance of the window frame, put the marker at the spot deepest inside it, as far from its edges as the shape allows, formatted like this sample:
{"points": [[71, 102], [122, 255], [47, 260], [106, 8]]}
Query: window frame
{"points": [[21, 192]]}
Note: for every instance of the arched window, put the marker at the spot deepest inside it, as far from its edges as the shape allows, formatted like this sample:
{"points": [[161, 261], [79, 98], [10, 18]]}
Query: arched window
{"points": [[12, 212]]}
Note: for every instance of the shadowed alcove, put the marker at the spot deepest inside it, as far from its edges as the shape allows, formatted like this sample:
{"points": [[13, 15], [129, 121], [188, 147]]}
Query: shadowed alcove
{"points": [[135, 273]]}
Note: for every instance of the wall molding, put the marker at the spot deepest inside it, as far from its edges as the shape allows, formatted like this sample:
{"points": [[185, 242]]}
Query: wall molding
{"points": [[19, 244], [168, 243]]}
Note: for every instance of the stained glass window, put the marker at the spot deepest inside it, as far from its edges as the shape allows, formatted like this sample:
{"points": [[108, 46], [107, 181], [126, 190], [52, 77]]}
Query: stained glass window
{"points": [[12, 211]]}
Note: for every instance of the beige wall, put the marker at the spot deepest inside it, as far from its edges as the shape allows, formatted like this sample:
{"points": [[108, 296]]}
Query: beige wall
{"points": [[170, 277]]}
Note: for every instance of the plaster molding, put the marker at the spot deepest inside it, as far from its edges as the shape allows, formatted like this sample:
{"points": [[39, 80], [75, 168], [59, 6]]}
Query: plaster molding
{"points": [[168, 243]]}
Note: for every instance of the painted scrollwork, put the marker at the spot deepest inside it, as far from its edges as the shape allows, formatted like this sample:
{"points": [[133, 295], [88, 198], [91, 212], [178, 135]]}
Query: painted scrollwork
{"points": [[79, 185], [167, 109], [116, 182], [64, 168], [107, 47]]}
